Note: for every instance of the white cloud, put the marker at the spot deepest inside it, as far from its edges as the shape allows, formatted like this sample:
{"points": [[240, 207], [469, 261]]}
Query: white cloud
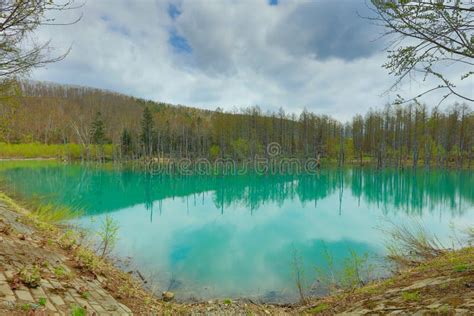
{"points": [[243, 53]]}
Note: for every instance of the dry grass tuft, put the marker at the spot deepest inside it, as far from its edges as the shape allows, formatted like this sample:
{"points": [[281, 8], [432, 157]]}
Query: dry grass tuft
{"points": [[410, 244]]}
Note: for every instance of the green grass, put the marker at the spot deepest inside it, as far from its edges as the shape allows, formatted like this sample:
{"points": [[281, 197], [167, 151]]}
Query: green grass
{"points": [[411, 296], [26, 307], [461, 268], [30, 276], [59, 272], [78, 311], [42, 301], [318, 308], [38, 150], [51, 213]]}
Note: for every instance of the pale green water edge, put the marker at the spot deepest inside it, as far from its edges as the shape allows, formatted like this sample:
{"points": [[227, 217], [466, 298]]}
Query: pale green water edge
{"points": [[233, 236]]}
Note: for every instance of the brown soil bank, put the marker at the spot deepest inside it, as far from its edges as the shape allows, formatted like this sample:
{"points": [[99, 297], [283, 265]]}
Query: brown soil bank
{"points": [[45, 271]]}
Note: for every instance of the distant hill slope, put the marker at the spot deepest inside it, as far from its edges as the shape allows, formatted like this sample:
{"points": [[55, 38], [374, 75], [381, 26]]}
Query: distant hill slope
{"points": [[47, 111], [394, 135]]}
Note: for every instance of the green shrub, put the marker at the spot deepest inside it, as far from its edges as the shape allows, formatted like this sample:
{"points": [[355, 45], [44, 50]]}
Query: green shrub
{"points": [[411, 296], [68, 240], [60, 272], [30, 276], [51, 213], [78, 311], [461, 268], [88, 260], [108, 235], [355, 270]]}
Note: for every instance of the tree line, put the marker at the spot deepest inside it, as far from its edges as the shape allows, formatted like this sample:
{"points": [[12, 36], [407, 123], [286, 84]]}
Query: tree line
{"points": [[396, 135]]}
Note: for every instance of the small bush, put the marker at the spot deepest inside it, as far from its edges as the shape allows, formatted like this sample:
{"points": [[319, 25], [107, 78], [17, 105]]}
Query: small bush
{"points": [[26, 307], [30, 276], [42, 301], [68, 240], [88, 260], [61, 273], [78, 311], [409, 245], [108, 235], [298, 274], [356, 270]]}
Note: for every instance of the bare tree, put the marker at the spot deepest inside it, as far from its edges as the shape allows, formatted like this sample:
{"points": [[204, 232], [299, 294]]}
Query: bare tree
{"points": [[18, 20], [426, 36]]}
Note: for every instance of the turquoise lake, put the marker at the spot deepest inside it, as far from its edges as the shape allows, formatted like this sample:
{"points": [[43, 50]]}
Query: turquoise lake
{"points": [[236, 236]]}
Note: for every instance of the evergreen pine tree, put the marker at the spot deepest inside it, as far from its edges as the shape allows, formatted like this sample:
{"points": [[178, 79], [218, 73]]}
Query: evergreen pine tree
{"points": [[98, 130], [147, 131]]}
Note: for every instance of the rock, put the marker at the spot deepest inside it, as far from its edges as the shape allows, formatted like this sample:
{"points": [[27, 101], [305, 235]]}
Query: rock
{"points": [[167, 296], [427, 282], [379, 307], [434, 306], [111, 307], [421, 312]]}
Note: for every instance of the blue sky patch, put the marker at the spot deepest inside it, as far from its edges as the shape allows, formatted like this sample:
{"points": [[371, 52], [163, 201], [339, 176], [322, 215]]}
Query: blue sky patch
{"points": [[179, 43], [173, 11]]}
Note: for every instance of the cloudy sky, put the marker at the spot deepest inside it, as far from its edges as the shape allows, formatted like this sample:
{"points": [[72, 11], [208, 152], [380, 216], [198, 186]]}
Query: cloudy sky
{"points": [[273, 53]]}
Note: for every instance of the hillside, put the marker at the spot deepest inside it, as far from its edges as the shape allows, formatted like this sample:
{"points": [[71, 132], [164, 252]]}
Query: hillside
{"points": [[390, 136]]}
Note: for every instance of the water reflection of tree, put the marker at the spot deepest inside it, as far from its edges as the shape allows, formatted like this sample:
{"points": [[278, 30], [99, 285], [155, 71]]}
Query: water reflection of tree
{"points": [[105, 190]]}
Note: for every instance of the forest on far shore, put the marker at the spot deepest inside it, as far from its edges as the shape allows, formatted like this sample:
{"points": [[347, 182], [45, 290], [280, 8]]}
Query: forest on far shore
{"points": [[106, 125]]}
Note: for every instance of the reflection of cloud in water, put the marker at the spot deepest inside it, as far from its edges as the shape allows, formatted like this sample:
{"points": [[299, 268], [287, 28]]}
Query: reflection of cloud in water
{"points": [[239, 253], [234, 235]]}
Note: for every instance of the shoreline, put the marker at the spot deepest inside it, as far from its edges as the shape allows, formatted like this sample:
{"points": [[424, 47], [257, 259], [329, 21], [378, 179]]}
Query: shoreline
{"points": [[29, 159], [148, 163], [87, 273]]}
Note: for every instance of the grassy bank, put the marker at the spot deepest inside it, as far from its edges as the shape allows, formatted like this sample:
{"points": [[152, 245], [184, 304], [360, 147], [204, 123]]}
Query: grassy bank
{"points": [[443, 285], [74, 151], [57, 151]]}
